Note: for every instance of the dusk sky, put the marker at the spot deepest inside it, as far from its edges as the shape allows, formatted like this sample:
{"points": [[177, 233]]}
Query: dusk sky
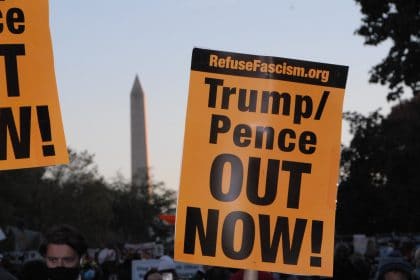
{"points": [[100, 46]]}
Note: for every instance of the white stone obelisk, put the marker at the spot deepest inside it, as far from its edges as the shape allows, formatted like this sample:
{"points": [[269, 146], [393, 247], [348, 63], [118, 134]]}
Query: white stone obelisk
{"points": [[139, 157]]}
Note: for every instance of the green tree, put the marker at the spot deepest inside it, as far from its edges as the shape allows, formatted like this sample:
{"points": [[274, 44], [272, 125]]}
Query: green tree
{"points": [[359, 200], [18, 188], [80, 169], [78, 195], [399, 22], [379, 187], [136, 211]]}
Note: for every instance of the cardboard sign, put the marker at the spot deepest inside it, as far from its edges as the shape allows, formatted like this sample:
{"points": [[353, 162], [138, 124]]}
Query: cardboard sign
{"points": [[260, 163], [31, 132]]}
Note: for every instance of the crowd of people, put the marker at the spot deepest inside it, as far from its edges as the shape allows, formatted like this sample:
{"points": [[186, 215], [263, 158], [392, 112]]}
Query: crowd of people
{"points": [[64, 257]]}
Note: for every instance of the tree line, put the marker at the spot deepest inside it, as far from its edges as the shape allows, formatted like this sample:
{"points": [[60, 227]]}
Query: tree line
{"points": [[77, 194], [380, 176]]}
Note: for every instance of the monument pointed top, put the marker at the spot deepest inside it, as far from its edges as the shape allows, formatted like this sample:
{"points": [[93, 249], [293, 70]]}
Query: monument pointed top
{"points": [[136, 89]]}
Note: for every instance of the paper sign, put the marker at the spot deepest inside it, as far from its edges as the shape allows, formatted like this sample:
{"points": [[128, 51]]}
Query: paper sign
{"points": [[260, 163], [31, 131]]}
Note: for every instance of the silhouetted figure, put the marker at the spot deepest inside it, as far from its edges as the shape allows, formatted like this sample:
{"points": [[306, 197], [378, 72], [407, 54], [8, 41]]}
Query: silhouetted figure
{"points": [[33, 270], [394, 267], [4, 273]]}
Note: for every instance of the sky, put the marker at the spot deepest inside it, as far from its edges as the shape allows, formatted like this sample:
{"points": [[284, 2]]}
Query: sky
{"points": [[101, 45]]}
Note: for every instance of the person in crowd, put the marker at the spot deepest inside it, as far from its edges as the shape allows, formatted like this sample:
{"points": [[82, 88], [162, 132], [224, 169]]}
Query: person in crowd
{"points": [[90, 269], [4, 274], [343, 267], [33, 270], [394, 267], [206, 272], [200, 274], [152, 274], [108, 260], [63, 249], [361, 268], [415, 274], [371, 256], [167, 268], [262, 275], [124, 270]]}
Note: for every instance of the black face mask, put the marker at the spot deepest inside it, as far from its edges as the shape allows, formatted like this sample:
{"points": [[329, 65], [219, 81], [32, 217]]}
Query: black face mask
{"points": [[63, 273]]}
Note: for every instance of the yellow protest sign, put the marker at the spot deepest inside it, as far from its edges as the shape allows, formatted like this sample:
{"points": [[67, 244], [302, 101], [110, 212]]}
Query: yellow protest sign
{"points": [[260, 163], [31, 131]]}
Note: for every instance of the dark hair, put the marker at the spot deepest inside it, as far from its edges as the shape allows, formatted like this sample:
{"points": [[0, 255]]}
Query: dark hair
{"points": [[64, 235], [149, 272], [395, 264]]}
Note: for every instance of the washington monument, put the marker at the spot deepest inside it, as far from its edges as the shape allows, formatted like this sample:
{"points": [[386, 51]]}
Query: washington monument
{"points": [[139, 159]]}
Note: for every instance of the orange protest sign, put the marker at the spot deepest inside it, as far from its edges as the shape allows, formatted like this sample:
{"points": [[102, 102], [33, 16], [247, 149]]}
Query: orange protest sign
{"points": [[260, 163], [31, 131]]}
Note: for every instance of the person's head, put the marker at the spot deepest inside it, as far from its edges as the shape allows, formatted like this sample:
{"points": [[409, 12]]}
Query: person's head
{"points": [[342, 251], [152, 274], [396, 275], [167, 268], [417, 257], [394, 267], [63, 249]]}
